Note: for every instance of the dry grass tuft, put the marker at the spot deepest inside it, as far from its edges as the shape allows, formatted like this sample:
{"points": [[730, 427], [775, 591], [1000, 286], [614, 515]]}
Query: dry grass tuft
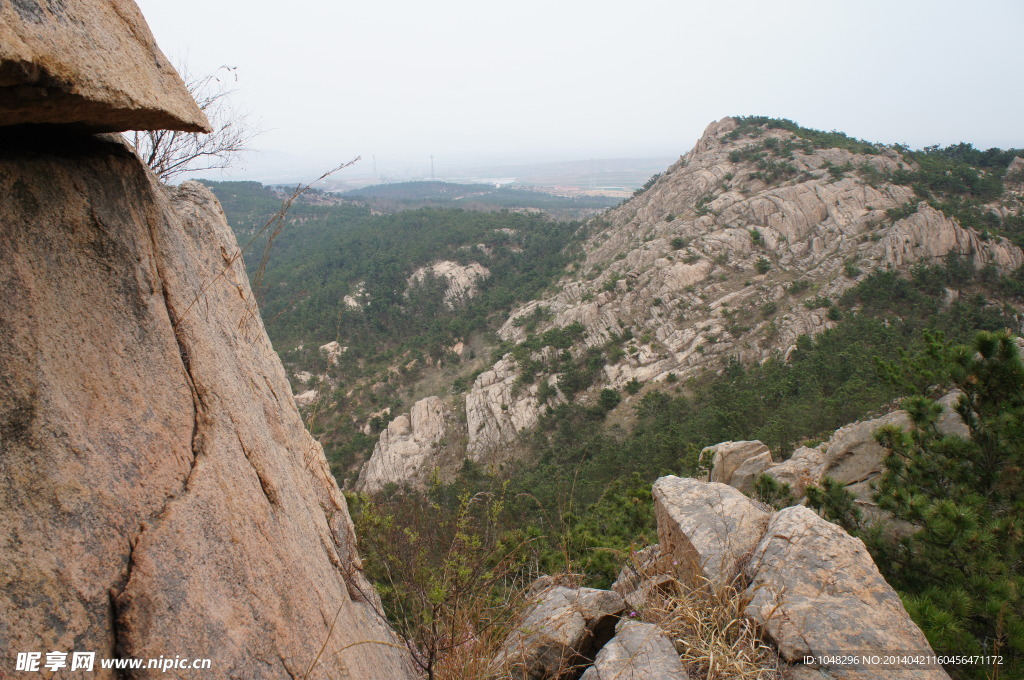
{"points": [[706, 623]]}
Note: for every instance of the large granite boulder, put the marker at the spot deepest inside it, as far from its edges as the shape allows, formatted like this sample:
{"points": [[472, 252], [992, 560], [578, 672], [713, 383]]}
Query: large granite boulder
{"points": [[161, 494], [92, 64], [816, 591], [707, 528], [560, 631], [639, 651]]}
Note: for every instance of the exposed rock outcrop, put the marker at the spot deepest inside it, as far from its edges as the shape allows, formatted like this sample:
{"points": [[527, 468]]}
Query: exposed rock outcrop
{"points": [[405, 446], [707, 528], [851, 456], [498, 409], [560, 631], [716, 262], [461, 280], [813, 588], [644, 572], [89, 63], [161, 494], [737, 463], [673, 274], [639, 651], [816, 590]]}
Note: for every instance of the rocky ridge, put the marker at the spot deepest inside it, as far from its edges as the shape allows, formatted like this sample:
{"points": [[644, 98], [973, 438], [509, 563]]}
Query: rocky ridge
{"points": [[851, 456], [718, 260]]}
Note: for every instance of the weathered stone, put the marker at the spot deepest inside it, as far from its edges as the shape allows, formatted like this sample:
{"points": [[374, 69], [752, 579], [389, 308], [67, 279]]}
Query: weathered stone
{"points": [[816, 590], [92, 64], [950, 422], [728, 459], [852, 456], [708, 529], [403, 452], [560, 632], [497, 410], [642, 575], [747, 473], [639, 651], [161, 495], [636, 277], [461, 281]]}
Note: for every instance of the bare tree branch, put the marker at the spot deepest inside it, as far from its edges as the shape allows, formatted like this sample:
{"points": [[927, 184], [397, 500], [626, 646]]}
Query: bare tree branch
{"points": [[170, 153]]}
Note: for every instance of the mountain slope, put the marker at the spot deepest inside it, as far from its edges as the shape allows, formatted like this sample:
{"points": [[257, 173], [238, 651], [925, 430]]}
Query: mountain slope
{"points": [[732, 254]]}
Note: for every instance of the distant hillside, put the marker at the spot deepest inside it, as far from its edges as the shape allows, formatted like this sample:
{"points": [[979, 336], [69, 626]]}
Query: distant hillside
{"points": [[406, 195]]}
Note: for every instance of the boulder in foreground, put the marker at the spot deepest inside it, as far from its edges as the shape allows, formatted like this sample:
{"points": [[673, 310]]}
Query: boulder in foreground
{"points": [[707, 528], [816, 591]]}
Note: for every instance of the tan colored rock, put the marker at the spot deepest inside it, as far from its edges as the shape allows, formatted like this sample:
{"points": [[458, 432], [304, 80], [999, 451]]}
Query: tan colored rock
{"points": [[639, 651], [332, 350], [737, 463], [560, 631], [161, 495], [403, 452], [816, 590], [708, 529], [92, 64], [852, 455]]}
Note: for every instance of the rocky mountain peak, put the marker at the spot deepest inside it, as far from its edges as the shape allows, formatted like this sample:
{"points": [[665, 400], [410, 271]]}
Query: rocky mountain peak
{"points": [[732, 253]]}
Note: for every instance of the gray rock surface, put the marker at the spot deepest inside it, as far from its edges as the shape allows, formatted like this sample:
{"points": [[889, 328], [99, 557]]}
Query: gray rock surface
{"points": [[560, 631], [694, 307], [708, 529], [639, 651], [644, 572], [816, 590], [461, 281], [92, 64]]}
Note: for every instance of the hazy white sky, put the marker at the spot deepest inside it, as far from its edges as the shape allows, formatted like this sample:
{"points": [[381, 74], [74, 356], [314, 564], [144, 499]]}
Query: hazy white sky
{"points": [[567, 79]]}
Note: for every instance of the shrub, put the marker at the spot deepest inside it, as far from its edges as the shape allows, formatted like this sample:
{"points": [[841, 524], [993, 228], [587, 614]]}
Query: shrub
{"points": [[959, 571], [609, 399], [763, 265], [798, 287]]}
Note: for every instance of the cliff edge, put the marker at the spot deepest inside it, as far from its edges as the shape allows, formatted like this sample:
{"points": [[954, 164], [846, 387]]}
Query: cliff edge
{"points": [[161, 494]]}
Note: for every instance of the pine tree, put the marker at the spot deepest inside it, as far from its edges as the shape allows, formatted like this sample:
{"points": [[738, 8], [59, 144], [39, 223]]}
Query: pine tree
{"points": [[955, 552]]}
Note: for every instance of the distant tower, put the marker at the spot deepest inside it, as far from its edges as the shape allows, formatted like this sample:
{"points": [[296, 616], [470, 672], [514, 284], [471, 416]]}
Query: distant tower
{"points": [[376, 180], [431, 167]]}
